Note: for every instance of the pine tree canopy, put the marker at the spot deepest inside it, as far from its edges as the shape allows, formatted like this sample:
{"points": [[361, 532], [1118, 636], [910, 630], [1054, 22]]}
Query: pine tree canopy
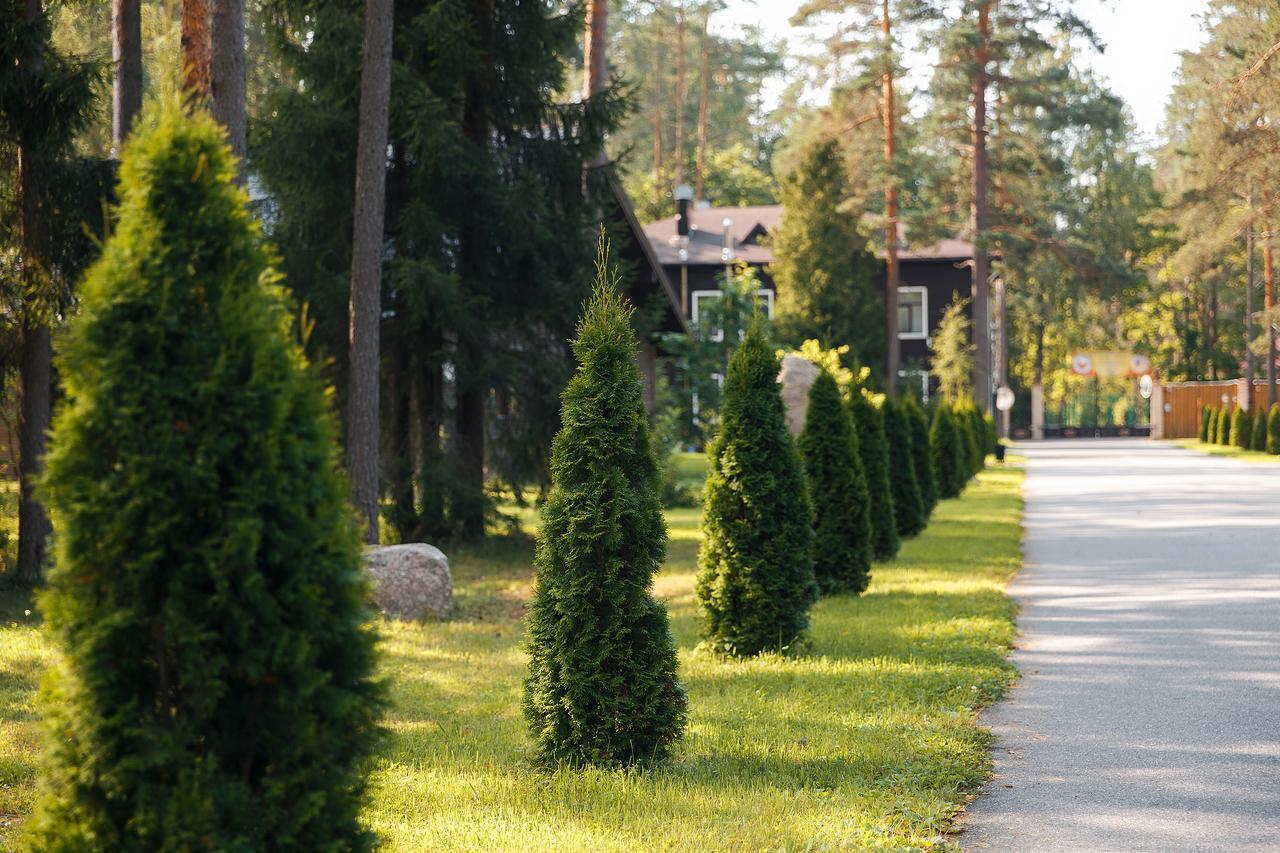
{"points": [[208, 593], [602, 686], [837, 491], [755, 568]]}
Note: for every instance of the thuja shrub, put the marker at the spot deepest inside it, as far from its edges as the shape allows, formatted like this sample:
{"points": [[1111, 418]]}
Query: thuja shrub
{"points": [[755, 580], [1273, 430], [950, 459], [874, 448], [921, 453], [1224, 425], [1241, 428], [1206, 423], [601, 686], [970, 440], [837, 492], [1258, 434], [208, 593], [908, 507]]}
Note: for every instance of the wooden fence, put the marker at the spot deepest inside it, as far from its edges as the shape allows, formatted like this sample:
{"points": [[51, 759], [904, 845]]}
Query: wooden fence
{"points": [[1184, 401]]}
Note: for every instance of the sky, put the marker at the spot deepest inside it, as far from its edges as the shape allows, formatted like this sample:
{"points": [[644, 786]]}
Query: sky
{"points": [[1143, 40]]}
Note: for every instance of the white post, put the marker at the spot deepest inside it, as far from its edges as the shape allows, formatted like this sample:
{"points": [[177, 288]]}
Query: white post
{"points": [[1037, 412], [1157, 410]]}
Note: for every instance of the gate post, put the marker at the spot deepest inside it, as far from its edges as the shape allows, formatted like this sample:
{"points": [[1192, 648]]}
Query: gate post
{"points": [[1037, 412], [1157, 410], [1244, 394]]}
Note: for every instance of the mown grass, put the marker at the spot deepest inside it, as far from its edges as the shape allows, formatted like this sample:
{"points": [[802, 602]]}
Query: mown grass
{"points": [[1228, 450], [870, 740]]}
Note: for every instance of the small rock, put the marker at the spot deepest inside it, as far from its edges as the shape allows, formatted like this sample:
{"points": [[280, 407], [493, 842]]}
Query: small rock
{"points": [[411, 581]]}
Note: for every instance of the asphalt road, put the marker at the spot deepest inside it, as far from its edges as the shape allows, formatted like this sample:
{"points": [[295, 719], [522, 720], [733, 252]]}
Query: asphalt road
{"points": [[1148, 712]]}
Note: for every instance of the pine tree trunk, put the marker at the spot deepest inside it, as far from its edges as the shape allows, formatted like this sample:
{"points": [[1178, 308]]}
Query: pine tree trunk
{"points": [[365, 310], [197, 45], [1268, 303], [700, 179], [978, 215], [595, 59], [680, 94], [428, 396], [35, 358], [126, 58], [658, 103], [1250, 285], [892, 345], [227, 75]]}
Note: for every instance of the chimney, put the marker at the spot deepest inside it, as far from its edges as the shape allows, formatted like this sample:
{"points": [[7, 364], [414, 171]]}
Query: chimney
{"points": [[595, 58], [684, 196], [727, 253]]}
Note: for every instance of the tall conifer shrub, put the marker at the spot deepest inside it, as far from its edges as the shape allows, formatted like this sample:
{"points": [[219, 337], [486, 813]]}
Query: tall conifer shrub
{"points": [[1206, 423], [1258, 436], [1273, 430], [602, 684], [950, 459], [970, 441], [1224, 425], [755, 569], [1241, 428], [908, 506], [874, 447], [837, 492], [922, 454], [208, 593]]}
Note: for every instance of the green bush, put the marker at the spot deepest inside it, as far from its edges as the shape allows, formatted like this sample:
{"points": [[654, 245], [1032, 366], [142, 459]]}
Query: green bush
{"points": [[970, 438], [1207, 423], [1224, 425], [1273, 430], [755, 579], [922, 455], [992, 435], [1258, 436], [602, 686], [837, 492], [950, 459], [208, 593], [1241, 428], [908, 507], [874, 447]]}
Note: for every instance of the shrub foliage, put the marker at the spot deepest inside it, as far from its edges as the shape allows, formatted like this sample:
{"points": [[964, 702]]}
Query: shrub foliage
{"points": [[922, 454], [1273, 430], [1258, 436], [755, 568], [208, 592], [1206, 423], [1241, 428], [874, 449], [950, 458], [908, 506], [602, 686]]}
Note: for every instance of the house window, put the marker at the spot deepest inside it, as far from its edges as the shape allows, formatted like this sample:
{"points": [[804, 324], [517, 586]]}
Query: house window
{"points": [[697, 298], [913, 311], [917, 378]]}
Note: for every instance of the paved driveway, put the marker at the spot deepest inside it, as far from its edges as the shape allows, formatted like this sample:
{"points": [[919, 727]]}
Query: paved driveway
{"points": [[1148, 713]]}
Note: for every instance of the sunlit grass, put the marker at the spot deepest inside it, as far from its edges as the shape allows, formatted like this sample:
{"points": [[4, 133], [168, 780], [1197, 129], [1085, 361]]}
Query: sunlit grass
{"points": [[1228, 450], [870, 740]]}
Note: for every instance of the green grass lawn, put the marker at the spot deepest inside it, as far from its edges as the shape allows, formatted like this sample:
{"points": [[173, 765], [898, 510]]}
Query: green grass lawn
{"points": [[1228, 450], [869, 741]]}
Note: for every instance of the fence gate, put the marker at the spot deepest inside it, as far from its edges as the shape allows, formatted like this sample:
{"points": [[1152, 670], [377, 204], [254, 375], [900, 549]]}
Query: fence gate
{"points": [[1097, 413]]}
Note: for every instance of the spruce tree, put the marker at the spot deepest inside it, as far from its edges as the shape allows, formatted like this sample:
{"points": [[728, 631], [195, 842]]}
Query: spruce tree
{"points": [[908, 506], [1273, 430], [1258, 438], [1206, 422], [874, 447], [602, 684], [208, 594], [1241, 428], [755, 568], [950, 460], [837, 492], [922, 454]]}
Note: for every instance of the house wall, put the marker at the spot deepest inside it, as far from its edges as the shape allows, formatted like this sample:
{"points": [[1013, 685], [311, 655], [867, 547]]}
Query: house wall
{"points": [[706, 277]]}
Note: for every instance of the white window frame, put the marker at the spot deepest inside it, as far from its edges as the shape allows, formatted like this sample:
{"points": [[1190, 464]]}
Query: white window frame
{"points": [[907, 373], [923, 334], [718, 334]]}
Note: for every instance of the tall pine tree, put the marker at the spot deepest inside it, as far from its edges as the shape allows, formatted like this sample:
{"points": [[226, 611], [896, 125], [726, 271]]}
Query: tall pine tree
{"points": [[208, 592]]}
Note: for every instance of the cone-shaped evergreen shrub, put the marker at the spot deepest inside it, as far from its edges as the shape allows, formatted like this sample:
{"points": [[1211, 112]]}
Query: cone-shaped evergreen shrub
{"points": [[1241, 428], [1273, 430], [874, 447], [602, 684], [922, 454], [208, 592], [950, 459], [755, 568], [837, 492], [970, 441], [1206, 423], [1224, 425], [991, 436], [1258, 436], [908, 507]]}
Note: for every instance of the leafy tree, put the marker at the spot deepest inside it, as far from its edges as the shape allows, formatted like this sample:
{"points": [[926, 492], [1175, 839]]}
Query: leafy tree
{"points": [[822, 267], [602, 684], [1206, 423], [755, 568], [837, 492], [908, 506], [950, 462], [951, 354], [208, 592], [922, 454], [1273, 430], [732, 178], [1258, 436], [874, 447], [1241, 428]]}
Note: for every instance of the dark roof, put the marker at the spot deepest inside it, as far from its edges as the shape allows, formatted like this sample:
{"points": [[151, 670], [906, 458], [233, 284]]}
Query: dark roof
{"points": [[748, 224]]}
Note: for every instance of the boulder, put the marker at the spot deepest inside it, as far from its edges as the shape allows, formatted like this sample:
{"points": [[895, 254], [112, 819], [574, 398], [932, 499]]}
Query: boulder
{"points": [[797, 375], [411, 581]]}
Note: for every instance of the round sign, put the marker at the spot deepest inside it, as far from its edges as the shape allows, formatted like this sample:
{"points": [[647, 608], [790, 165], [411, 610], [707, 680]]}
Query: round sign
{"points": [[1004, 398], [1082, 364], [1139, 365], [1144, 386]]}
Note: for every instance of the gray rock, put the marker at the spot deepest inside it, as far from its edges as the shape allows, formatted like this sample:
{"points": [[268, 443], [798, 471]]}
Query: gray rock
{"points": [[797, 377], [411, 581]]}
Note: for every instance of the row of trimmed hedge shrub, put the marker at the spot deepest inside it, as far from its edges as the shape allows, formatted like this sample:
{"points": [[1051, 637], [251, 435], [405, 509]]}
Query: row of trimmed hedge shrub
{"points": [[1242, 428]]}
